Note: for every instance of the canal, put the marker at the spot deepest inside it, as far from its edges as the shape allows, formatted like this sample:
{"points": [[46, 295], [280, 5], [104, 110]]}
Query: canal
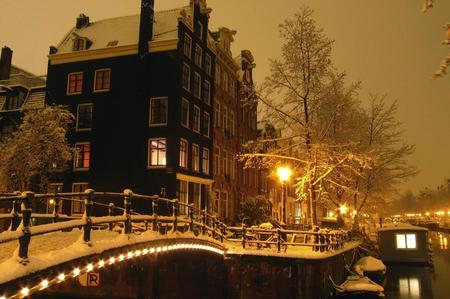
{"points": [[411, 282]]}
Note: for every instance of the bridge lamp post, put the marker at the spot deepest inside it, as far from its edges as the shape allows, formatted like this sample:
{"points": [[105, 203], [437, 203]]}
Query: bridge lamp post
{"points": [[284, 173]]}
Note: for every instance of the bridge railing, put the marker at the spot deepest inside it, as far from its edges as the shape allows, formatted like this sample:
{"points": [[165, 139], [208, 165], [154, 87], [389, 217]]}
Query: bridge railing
{"points": [[193, 219]]}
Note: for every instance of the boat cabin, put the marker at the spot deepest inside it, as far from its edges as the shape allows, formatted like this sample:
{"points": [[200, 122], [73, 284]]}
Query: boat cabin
{"points": [[404, 243]]}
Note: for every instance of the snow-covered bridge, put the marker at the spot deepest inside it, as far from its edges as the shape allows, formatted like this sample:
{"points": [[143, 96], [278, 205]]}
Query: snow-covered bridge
{"points": [[34, 258]]}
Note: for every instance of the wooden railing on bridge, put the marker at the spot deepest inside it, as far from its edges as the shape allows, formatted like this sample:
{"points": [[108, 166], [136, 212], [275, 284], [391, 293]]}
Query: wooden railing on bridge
{"points": [[193, 220]]}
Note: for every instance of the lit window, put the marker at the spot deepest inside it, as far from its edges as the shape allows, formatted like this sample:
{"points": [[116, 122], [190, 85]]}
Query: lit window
{"points": [[74, 83], [195, 158], [82, 156], [205, 161], [208, 64], [197, 85], [185, 112], [207, 92], [406, 241], [183, 153], [186, 77], [78, 205], [187, 45], [183, 194], [198, 55], [102, 80], [206, 124], [409, 287], [84, 117], [54, 188], [157, 152], [196, 119], [158, 111], [196, 194]]}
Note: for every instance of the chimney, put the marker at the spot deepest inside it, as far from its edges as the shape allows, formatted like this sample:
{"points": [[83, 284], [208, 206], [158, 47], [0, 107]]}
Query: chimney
{"points": [[146, 26], [5, 63], [82, 21]]}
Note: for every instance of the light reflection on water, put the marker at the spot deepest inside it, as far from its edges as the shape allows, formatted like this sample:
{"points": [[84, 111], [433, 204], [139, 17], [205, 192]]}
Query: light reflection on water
{"points": [[410, 282]]}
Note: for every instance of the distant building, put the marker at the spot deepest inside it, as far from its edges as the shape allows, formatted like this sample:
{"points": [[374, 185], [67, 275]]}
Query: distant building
{"points": [[19, 91], [142, 90]]}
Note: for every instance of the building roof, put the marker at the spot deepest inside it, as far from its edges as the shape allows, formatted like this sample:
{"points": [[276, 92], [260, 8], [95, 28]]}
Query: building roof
{"points": [[23, 78], [124, 31], [34, 99], [401, 227]]}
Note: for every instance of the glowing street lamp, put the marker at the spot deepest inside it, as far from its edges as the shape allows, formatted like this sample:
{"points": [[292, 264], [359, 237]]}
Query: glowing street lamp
{"points": [[343, 209], [284, 173]]}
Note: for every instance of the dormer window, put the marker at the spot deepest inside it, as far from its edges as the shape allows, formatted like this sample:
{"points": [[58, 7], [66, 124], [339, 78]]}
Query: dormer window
{"points": [[200, 31], [78, 44]]}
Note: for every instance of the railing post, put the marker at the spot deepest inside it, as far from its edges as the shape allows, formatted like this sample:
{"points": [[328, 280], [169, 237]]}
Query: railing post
{"points": [[278, 239], [56, 208], [244, 235], [214, 222], [191, 217], [88, 205], [24, 240], [15, 220], [204, 222], [222, 231], [175, 206], [111, 208], [155, 214], [127, 197]]}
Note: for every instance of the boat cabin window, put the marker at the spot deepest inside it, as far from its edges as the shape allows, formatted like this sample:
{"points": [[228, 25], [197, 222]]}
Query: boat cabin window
{"points": [[406, 241]]}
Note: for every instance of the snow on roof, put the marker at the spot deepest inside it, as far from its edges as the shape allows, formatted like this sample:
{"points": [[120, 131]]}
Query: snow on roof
{"points": [[35, 100], [124, 31], [369, 263], [360, 284], [401, 226]]}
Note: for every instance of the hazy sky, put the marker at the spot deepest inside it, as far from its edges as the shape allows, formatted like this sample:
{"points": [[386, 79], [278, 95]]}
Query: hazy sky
{"points": [[387, 44]]}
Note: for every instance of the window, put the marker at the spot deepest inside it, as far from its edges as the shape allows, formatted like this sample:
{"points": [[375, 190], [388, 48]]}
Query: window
{"points": [[232, 123], [84, 117], [198, 55], [206, 123], [185, 112], [196, 120], [409, 287], [205, 160], [183, 153], [183, 194], [158, 111], [82, 156], [224, 205], [78, 206], [406, 241], [186, 77], [224, 163], [218, 75], [217, 160], [225, 82], [197, 85], [207, 92], [217, 114], [200, 30], [79, 44], [102, 80], [54, 188], [225, 119], [196, 193], [187, 49], [195, 158], [208, 64], [74, 83], [157, 152]]}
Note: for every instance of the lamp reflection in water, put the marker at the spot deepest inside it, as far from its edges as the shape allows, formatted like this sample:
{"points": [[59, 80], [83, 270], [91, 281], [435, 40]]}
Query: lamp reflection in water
{"points": [[409, 287], [443, 242]]}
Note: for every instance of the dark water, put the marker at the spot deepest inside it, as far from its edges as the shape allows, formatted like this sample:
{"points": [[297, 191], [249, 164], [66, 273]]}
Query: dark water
{"points": [[411, 282]]}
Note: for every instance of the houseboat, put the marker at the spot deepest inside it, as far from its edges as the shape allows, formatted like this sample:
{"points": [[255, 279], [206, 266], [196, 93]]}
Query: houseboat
{"points": [[403, 243]]}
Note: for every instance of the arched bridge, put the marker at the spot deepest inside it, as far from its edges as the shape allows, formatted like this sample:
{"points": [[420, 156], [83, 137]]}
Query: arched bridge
{"points": [[43, 252]]}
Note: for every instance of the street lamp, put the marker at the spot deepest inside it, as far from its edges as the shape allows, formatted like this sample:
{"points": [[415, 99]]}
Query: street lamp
{"points": [[284, 174], [343, 209]]}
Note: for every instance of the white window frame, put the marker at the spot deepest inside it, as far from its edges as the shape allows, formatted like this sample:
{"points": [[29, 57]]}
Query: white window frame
{"points": [[198, 55], [75, 159], [187, 50], [95, 80], [200, 30], [207, 124], [72, 202], [186, 154], [205, 162], [188, 112], [78, 117], [402, 239], [188, 68], [198, 91], [208, 66], [150, 121], [196, 123], [183, 210], [207, 92], [149, 154], [195, 159], [68, 83]]}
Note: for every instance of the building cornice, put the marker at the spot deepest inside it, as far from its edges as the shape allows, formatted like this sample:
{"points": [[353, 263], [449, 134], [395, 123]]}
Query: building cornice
{"points": [[194, 179]]}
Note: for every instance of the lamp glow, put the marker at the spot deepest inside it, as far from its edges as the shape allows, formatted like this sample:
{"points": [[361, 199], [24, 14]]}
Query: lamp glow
{"points": [[101, 263], [76, 272], [44, 283], [284, 173], [89, 267], [25, 291], [112, 260], [61, 277], [343, 209]]}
